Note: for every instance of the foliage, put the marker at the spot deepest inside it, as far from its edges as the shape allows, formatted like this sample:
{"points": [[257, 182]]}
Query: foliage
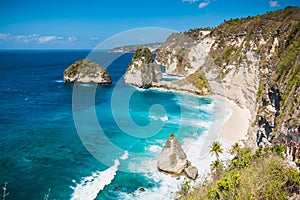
{"points": [[263, 174], [143, 52], [185, 189], [198, 79], [85, 67], [216, 149]]}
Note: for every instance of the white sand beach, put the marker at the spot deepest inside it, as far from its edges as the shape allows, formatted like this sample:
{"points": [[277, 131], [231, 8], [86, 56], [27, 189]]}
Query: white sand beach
{"points": [[236, 127]]}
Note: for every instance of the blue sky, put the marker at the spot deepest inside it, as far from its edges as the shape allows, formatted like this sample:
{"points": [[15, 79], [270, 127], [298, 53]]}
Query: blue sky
{"points": [[84, 24]]}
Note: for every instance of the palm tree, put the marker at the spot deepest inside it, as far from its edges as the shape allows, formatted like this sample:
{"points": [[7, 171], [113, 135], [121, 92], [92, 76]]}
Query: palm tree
{"points": [[216, 165], [216, 149], [235, 149]]}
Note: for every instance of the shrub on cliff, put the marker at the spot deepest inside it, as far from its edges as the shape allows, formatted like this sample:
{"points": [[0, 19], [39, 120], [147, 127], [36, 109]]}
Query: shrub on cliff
{"points": [[263, 174]]}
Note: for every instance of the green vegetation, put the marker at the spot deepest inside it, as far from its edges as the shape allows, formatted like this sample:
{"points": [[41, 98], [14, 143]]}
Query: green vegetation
{"points": [[143, 52], [216, 149], [263, 174], [288, 68], [198, 79], [85, 67]]}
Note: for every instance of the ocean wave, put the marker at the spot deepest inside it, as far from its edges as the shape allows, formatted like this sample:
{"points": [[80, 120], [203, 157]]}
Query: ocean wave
{"points": [[196, 123], [156, 118], [59, 81], [124, 156], [209, 108], [228, 113], [154, 148], [89, 187], [168, 185]]}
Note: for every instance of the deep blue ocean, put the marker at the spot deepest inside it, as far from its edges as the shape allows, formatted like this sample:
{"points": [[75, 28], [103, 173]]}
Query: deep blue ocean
{"points": [[86, 141]]}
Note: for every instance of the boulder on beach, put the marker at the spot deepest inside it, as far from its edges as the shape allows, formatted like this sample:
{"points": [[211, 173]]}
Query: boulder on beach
{"points": [[191, 172], [86, 71]]}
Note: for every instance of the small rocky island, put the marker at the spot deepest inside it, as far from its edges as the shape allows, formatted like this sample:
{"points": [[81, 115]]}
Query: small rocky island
{"points": [[143, 70], [86, 71], [173, 160]]}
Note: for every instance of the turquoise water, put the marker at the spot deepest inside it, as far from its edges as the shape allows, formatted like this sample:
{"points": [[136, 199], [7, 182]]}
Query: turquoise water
{"points": [[56, 135]]}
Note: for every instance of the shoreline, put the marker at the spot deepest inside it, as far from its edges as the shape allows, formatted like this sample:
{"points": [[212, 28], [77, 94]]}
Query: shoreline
{"points": [[235, 128], [232, 128]]}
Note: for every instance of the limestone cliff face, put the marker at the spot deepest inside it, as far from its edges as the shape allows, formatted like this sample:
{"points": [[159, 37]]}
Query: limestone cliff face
{"points": [[143, 71], [183, 53], [86, 71], [254, 61]]}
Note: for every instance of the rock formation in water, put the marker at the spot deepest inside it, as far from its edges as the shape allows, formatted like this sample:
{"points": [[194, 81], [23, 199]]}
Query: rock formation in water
{"points": [[173, 160], [86, 71], [143, 71]]}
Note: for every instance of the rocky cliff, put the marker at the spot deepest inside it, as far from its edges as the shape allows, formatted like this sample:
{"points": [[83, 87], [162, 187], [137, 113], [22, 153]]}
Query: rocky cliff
{"points": [[86, 71], [143, 70], [253, 61]]}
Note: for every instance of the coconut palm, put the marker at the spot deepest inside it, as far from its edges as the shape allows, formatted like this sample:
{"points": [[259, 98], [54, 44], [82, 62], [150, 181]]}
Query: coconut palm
{"points": [[216, 165], [235, 149], [216, 149]]}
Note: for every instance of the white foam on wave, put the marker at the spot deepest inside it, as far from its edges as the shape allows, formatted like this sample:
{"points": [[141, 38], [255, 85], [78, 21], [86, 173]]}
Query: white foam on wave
{"points": [[59, 81], [155, 148], [156, 118], [124, 156], [89, 187], [228, 113], [206, 107], [168, 185], [196, 123]]}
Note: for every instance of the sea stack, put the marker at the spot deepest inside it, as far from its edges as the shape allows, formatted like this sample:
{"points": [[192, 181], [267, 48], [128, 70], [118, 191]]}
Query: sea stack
{"points": [[143, 69], [86, 71], [173, 160]]}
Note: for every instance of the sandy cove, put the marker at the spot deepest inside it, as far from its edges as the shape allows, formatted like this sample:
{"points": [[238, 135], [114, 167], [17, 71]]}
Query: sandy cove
{"points": [[236, 126]]}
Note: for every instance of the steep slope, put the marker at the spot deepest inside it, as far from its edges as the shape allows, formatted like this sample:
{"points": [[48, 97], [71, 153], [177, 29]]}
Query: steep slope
{"points": [[253, 61], [143, 71]]}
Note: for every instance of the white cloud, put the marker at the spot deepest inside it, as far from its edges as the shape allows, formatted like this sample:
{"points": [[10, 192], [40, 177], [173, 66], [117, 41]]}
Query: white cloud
{"points": [[274, 3], [45, 39], [204, 4], [71, 38], [34, 38], [191, 1], [4, 36], [24, 38]]}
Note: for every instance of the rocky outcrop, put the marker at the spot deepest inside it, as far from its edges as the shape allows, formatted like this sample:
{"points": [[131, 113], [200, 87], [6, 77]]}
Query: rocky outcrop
{"points": [[173, 160], [254, 61], [86, 71], [183, 53], [143, 71]]}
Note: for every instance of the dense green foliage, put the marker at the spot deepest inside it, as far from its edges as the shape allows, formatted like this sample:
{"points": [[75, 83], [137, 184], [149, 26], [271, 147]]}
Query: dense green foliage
{"points": [[143, 52], [263, 174], [198, 79], [84, 67]]}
